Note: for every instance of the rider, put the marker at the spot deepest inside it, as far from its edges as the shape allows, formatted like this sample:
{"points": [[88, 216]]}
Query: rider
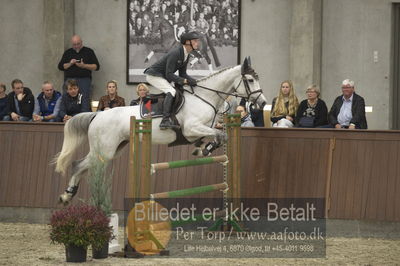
{"points": [[161, 74]]}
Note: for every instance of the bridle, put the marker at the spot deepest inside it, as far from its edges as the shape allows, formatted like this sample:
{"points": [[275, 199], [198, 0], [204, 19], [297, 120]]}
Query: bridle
{"points": [[247, 86], [235, 92]]}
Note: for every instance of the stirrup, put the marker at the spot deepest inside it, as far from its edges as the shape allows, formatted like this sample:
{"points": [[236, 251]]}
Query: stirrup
{"points": [[170, 126]]}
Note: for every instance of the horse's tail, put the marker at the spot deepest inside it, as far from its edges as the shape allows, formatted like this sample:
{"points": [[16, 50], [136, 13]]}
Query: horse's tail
{"points": [[75, 133]]}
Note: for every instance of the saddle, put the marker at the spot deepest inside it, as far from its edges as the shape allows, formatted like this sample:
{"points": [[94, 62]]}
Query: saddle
{"points": [[154, 105], [154, 108]]}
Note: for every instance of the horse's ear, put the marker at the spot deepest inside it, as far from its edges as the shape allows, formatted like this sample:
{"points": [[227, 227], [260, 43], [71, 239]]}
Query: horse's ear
{"points": [[249, 60], [245, 66]]}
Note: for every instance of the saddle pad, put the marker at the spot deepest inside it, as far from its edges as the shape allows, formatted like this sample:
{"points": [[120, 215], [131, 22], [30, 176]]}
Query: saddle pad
{"points": [[154, 106]]}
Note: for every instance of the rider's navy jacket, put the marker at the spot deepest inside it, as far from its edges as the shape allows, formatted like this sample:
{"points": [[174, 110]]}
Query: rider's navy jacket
{"points": [[169, 64]]}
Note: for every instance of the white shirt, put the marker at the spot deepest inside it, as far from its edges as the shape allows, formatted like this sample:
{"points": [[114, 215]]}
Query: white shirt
{"points": [[185, 54], [345, 115]]}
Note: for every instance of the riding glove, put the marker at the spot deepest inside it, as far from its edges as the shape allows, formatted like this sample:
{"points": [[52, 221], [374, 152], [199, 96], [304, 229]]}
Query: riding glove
{"points": [[192, 82]]}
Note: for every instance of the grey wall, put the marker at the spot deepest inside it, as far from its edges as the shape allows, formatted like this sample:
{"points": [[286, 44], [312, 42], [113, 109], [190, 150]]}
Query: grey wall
{"points": [[265, 36], [102, 26], [21, 42], [285, 39], [32, 40], [352, 31], [305, 44]]}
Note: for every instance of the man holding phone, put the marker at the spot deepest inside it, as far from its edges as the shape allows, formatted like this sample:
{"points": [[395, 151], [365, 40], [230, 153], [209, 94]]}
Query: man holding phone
{"points": [[78, 63]]}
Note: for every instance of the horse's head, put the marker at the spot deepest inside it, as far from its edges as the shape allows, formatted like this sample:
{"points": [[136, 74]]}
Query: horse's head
{"points": [[250, 86]]}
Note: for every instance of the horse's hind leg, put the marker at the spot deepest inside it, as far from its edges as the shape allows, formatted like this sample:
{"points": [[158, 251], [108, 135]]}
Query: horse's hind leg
{"points": [[97, 153], [79, 168]]}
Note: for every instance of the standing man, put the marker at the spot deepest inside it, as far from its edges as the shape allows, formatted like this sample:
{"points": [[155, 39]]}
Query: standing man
{"points": [[20, 102], [161, 74], [348, 110], [47, 104], [78, 63]]}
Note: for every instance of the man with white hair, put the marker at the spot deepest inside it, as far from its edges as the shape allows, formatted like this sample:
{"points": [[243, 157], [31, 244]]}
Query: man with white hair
{"points": [[348, 110]]}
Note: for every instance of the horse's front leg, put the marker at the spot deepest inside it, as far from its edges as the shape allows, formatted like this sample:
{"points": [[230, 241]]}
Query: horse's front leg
{"points": [[199, 132], [199, 146], [219, 139]]}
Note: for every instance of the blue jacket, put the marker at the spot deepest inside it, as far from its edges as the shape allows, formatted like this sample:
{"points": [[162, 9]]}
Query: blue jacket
{"points": [[52, 103]]}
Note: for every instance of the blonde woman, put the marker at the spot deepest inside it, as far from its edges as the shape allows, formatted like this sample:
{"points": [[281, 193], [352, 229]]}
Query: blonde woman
{"points": [[284, 107], [142, 91], [112, 99]]}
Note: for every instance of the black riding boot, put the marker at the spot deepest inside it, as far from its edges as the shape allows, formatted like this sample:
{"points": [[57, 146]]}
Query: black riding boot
{"points": [[167, 122]]}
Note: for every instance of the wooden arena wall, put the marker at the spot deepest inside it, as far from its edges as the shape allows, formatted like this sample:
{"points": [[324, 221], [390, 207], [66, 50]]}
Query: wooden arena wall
{"points": [[358, 172]]}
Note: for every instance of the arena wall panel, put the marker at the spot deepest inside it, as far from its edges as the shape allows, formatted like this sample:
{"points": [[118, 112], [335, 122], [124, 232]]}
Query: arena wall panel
{"points": [[356, 171]]}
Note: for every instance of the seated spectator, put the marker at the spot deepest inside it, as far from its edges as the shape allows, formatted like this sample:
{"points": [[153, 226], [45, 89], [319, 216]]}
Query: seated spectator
{"points": [[284, 107], [47, 104], [72, 102], [245, 118], [112, 99], [142, 91], [3, 101], [256, 114], [312, 112], [348, 110], [20, 102], [230, 105]]}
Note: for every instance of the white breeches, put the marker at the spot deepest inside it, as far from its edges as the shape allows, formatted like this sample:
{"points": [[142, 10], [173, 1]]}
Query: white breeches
{"points": [[161, 84]]}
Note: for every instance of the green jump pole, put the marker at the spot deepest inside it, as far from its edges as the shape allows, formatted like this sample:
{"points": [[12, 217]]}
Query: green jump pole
{"points": [[185, 163], [189, 191]]}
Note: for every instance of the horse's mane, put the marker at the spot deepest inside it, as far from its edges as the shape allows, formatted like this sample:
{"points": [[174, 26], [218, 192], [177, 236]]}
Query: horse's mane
{"points": [[214, 74]]}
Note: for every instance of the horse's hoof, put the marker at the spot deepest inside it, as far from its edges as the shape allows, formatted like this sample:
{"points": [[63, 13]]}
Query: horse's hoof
{"points": [[206, 152], [64, 199], [196, 152], [209, 148], [146, 60]]}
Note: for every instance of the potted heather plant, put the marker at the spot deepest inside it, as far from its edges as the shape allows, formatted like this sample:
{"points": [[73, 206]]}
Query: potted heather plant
{"points": [[77, 227], [100, 196]]}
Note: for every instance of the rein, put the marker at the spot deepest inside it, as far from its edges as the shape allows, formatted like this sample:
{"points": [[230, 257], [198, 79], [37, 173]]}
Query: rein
{"points": [[235, 94]]}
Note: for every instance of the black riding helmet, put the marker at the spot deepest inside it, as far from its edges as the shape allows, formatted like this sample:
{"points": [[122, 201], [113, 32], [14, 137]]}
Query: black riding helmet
{"points": [[189, 36]]}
